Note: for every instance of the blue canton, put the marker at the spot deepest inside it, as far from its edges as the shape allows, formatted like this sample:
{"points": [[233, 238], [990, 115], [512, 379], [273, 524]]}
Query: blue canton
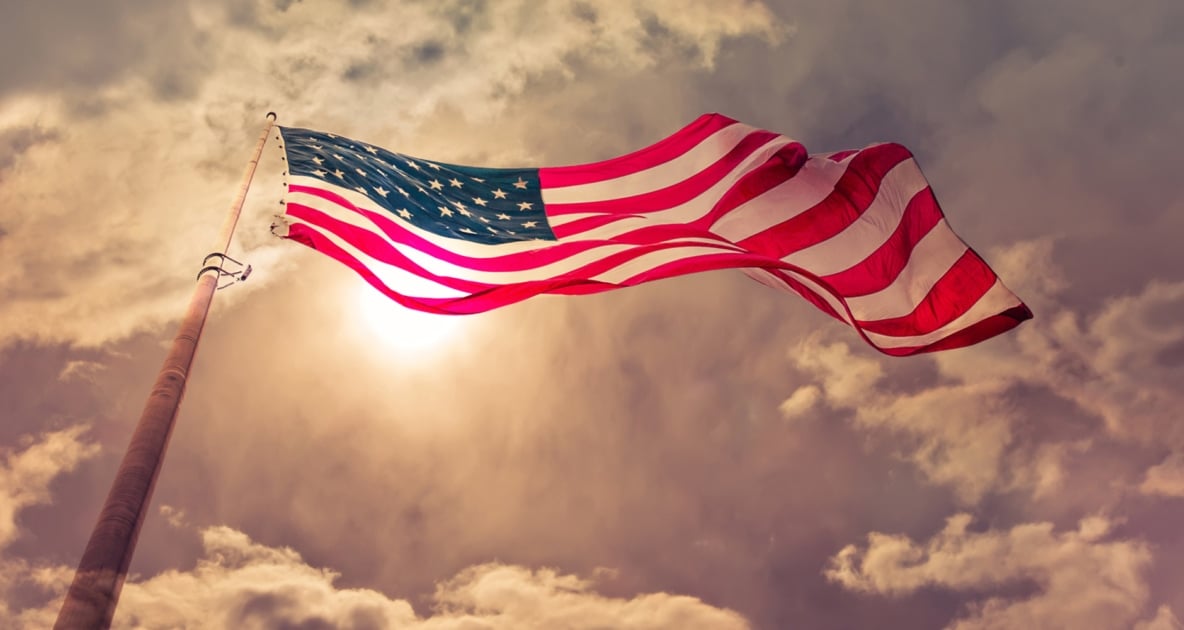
{"points": [[481, 205]]}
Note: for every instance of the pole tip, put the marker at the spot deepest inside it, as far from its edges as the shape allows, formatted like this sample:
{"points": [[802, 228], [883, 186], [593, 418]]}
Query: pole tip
{"points": [[270, 115]]}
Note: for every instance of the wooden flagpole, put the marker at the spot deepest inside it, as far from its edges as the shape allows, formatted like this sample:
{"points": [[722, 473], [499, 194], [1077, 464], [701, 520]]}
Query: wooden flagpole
{"points": [[90, 602]]}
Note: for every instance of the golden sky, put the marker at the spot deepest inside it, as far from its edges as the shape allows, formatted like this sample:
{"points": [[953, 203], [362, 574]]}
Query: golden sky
{"points": [[694, 453]]}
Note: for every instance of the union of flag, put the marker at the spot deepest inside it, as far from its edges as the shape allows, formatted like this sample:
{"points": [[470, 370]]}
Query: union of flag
{"points": [[857, 233]]}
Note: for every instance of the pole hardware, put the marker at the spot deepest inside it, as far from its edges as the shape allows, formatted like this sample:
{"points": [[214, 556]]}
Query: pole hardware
{"points": [[238, 273]]}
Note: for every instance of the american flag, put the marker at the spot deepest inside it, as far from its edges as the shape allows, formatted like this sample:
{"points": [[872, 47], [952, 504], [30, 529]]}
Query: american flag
{"points": [[857, 233]]}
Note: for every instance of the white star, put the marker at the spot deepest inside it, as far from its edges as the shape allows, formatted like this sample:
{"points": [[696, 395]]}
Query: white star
{"points": [[405, 213], [525, 205], [360, 189], [339, 173], [318, 160], [491, 230], [521, 183], [320, 173], [401, 191], [499, 193], [360, 172], [466, 212], [371, 150], [467, 231], [412, 165], [478, 180], [316, 146], [331, 135], [483, 219], [455, 183], [458, 204], [338, 157], [530, 224], [435, 184], [445, 211], [504, 217], [479, 201], [434, 166], [382, 191]]}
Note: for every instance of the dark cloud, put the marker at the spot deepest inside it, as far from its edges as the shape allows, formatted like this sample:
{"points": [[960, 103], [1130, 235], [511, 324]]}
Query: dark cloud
{"points": [[15, 141], [84, 46]]}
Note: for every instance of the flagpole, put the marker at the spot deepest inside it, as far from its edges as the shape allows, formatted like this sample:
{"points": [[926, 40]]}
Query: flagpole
{"points": [[90, 602]]}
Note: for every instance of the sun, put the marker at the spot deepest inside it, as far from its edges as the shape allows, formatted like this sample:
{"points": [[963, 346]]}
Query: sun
{"points": [[404, 331]]}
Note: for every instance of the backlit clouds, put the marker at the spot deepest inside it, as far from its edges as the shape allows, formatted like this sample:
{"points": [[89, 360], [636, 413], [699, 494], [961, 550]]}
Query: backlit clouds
{"points": [[25, 474], [1080, 579], [239, 583], [967, 431], [695, 451], [167, 142]]}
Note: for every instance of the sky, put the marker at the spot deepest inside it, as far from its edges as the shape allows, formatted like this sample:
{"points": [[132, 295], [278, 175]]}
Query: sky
{"points": [[700, 452]]}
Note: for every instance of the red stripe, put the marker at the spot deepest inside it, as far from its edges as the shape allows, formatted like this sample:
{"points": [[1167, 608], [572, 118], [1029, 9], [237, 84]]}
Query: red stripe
{"points": [[975, 333], [572, 228], [378, 248], [501, 295], [852, 195], [663, 151], [950, 297], [675, 194], [518, 261], [781, 167], [880, 269]]}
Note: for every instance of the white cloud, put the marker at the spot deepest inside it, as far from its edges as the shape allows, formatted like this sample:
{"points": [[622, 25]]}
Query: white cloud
{"points": [[964, 430], [25, 475], [1165, 478], [803, 400], [1080, 579], [239, 583], [25, 478]]}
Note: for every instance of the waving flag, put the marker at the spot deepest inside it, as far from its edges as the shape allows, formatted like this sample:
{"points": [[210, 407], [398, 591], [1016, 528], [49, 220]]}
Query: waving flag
{"points": [[857, 233]]}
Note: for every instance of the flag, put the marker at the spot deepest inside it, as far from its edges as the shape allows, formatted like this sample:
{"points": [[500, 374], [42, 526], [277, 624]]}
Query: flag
{"points": [[857, 233]]}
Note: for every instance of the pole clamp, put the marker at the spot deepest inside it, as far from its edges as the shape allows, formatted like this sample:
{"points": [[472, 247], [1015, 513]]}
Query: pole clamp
{"points": [[238, 271]]}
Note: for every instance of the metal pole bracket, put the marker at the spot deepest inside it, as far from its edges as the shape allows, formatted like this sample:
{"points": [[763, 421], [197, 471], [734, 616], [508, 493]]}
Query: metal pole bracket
{"points": [[238, 271]]}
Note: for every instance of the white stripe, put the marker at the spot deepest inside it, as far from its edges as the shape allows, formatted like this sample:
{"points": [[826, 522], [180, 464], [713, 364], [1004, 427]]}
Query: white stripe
{"points": [[835, 303], [996, 300], [806, 189], [448, 269], [648, 261], [873, 228], [930, 259], [707, 152], [395, 278], [698, 206]]}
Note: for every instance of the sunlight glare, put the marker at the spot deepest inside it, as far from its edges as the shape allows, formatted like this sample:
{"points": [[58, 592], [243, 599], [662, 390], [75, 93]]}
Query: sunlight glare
{"points": [[406, 331]]}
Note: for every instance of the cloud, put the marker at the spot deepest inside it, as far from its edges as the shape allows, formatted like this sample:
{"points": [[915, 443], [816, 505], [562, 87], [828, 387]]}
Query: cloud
{"points": [[239, 583], [1166, 478], [963, 428], [25, 478], [1074, 579], [1164, 619], [25, 475]]}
